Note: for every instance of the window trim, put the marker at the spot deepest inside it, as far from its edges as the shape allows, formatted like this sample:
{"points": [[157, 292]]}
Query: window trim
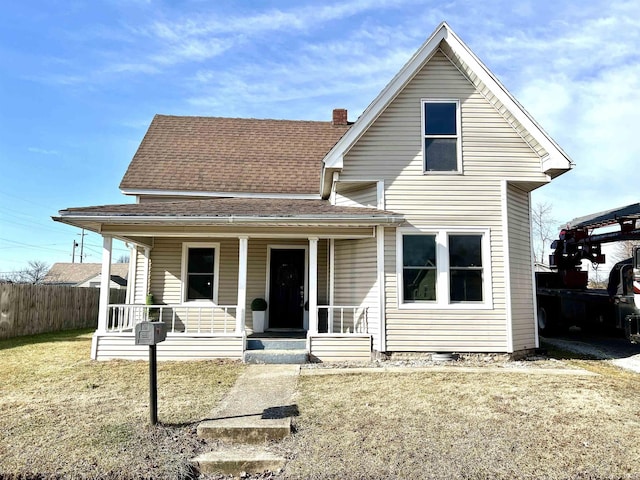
{"points": [[458, 136], [443, 301], [184, 273]]}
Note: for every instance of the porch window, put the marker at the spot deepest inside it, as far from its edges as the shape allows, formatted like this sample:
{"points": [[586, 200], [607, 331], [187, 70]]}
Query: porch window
{"points": [[200, 272], [441, 132], [444, 268]]}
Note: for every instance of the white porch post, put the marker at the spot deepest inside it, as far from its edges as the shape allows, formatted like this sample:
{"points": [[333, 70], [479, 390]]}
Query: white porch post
{"points": [[242, 283], [332, 284], [313, 285], [105, 281], [382, 324]]}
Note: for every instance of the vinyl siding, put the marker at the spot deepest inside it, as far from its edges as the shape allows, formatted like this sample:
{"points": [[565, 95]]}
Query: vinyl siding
{"points": [[166, 265], [366, 196], [356, 281], [173, 348], [391, 150], [340, 349], [521, 275]]}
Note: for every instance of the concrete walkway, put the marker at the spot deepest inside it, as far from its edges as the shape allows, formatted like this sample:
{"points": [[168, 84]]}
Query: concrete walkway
{"points": [[258, 409]]}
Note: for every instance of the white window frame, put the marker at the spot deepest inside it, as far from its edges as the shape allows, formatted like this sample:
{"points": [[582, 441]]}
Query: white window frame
{"points": [[442, 262], [184, 273], [457, 136]]}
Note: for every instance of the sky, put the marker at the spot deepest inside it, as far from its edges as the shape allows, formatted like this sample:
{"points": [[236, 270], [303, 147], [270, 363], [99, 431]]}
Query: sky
{"points": [[80, 82]]}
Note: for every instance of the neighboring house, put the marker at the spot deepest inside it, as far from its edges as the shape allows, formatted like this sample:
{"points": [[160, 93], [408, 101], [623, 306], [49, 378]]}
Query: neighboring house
{"points": [[405, 231], [86, 275]]}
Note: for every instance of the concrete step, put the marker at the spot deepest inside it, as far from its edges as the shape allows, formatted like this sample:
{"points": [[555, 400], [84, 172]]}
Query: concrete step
{"points": [[247, 429], [276, 344], [233, 460], [292, 357]]}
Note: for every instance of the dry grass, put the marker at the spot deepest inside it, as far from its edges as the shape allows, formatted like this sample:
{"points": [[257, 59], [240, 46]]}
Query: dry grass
{"points": [[468, 426], [63, 415]]}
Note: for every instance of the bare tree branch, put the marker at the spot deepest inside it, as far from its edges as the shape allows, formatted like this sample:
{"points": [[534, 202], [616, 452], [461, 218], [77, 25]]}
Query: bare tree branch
{"points": [[544, 230]]}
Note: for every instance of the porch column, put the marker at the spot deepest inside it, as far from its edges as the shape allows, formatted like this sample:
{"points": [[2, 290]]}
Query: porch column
{"points": [[313, 285], [105, 281], [242, 283], [332, 284]]}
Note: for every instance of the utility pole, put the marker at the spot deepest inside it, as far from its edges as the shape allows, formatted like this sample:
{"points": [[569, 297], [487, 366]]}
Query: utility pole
{"points": [[82, 244], [73, 252]]}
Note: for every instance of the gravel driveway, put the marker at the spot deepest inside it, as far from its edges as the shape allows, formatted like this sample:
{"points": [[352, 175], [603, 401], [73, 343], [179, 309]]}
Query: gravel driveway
{"points": [[616, 349]]}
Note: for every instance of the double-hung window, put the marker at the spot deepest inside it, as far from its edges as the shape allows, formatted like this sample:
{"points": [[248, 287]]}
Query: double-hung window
{"points": [[419, 268], [200, 272], [444, 268], [441, 136]]}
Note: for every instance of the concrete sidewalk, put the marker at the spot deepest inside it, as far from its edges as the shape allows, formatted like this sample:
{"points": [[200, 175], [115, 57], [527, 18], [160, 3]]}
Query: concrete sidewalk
{"points": [[258, 409]]}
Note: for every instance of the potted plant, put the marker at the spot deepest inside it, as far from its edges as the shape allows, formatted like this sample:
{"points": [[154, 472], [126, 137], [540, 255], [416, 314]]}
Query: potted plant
{"points": [[258, 308], [153, 313]]}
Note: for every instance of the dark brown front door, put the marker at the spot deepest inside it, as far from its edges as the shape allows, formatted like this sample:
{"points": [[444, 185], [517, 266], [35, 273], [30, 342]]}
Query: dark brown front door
{"points": [[286, 288]]}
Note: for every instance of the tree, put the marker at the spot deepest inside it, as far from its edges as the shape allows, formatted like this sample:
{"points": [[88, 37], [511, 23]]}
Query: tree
{"points": [[122, 259], [544, 229], [34, 273], [623, 250]]}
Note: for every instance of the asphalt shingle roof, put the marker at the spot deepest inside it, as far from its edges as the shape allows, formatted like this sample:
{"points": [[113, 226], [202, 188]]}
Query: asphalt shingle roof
{"points": [[74, 273], [213, 154], [226, 207]]}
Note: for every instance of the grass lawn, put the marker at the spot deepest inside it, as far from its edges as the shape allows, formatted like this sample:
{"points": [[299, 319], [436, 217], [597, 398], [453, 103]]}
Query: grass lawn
{"points": [[457, 425], [64, 415]]}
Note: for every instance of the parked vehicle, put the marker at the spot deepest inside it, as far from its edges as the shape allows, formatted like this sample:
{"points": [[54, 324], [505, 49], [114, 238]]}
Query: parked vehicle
{"points": [[563, 298]]}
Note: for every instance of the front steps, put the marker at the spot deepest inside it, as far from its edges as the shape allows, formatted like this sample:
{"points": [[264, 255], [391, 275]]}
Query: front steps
{"points": [[292, 351], [255, 413]]}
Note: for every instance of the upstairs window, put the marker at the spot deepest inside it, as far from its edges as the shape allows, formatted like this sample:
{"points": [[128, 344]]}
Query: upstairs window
{"points": [[441, 131]]}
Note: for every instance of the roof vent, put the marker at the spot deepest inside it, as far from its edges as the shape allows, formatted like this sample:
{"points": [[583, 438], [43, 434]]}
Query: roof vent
{"points": [[340, 116]]}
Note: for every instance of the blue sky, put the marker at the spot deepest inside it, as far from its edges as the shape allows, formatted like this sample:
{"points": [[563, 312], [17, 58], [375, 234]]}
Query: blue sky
{"points": [[80, 82]]}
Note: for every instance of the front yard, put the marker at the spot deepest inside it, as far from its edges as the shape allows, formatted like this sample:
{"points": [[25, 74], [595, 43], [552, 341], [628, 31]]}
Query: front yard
{"points": [[64, 415]]}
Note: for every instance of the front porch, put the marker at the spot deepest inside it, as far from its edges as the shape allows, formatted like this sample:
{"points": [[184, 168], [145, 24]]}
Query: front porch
{"points": [[325, 289], [213, 332]]}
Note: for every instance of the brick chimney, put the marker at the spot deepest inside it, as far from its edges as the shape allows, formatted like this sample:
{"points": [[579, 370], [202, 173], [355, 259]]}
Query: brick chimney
{"points": [[340, 116]]}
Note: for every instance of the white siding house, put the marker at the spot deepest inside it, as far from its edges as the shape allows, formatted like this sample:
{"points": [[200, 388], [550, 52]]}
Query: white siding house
{"points": [[407, 230]]}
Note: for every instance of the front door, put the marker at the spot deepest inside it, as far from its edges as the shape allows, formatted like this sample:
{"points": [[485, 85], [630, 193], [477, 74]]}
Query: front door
{"points": [[286, 288]]}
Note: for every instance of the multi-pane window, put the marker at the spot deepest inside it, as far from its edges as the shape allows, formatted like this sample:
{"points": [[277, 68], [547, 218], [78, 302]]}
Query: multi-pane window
{"points": [[465, 268], [443, 268], [199, 272], [441, 136], [419, 270]]}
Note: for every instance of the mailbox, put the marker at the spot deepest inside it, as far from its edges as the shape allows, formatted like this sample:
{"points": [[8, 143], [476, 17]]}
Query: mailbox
{"points": [[150, 333]]}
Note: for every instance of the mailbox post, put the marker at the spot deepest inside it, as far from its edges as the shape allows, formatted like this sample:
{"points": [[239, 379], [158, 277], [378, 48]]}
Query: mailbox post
{"points": [[151, 333]]}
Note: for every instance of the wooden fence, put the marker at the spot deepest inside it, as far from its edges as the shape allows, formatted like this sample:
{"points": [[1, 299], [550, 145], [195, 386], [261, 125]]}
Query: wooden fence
{"points": [[32, 309]]}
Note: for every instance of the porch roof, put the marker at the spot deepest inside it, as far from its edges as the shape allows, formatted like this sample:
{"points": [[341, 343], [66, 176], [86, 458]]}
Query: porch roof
{"points": [[226, 211]]}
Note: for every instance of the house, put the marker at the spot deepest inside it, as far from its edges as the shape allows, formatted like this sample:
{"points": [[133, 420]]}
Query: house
{"points": [[407, 230], [86, 275]]}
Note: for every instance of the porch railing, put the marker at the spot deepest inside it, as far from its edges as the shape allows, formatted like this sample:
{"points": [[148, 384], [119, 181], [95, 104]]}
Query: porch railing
{"points": [[343, 319], [178, 318]]}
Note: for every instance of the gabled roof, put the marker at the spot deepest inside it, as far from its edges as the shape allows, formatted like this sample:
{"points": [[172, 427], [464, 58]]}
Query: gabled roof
{"points": [[77, 273], [555, 161], [230, 155]]}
